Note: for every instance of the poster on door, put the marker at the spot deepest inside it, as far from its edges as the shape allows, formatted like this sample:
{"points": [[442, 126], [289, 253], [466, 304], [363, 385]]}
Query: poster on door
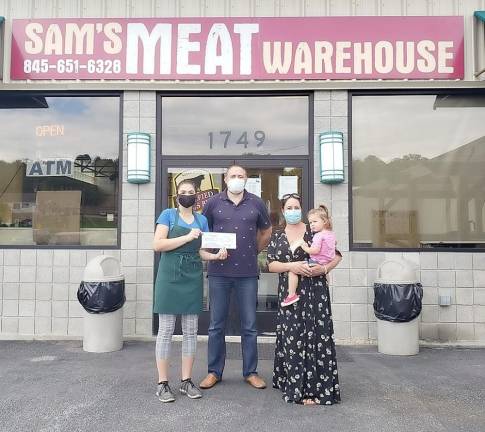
{"points": [[204, 184]]}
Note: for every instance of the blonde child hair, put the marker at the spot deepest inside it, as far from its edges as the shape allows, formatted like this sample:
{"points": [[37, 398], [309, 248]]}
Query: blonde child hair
{"points": [[322, 212]]}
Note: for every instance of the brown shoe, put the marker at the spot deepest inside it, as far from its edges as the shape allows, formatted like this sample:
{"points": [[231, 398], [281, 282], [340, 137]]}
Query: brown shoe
{"points": [[209, 381], [256, 381]]}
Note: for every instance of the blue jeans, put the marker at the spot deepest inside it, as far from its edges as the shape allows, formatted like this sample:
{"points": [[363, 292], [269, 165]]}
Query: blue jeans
{"points": [[220, 288]]}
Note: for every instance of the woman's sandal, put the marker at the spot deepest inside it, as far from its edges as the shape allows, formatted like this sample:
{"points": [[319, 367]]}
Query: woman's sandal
{"points": [[309, 402]]}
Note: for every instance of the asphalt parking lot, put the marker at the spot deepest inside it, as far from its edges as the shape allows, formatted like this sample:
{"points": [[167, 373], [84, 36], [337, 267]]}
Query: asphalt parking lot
{"points": [[56, 386]]}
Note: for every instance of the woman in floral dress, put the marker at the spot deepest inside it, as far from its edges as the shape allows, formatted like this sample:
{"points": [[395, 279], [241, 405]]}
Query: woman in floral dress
{"points": [[305, 364]]}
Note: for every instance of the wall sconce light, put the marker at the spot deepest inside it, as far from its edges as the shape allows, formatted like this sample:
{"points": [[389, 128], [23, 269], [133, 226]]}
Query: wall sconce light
{"points": [[331, 157], [138, 144]]}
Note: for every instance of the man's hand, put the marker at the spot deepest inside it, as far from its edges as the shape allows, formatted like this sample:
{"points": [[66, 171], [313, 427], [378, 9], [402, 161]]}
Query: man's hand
{"points": [[263, 237], [221, 255]]}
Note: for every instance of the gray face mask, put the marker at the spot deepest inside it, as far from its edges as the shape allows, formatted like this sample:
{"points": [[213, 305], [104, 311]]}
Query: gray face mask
{"points": [[236, 185]]}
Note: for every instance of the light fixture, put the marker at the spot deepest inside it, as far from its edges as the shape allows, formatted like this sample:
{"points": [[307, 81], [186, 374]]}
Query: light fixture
{"points": [[138, 144], [331, 157]]}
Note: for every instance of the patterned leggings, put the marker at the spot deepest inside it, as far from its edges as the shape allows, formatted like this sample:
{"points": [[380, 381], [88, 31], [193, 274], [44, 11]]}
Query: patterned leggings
{"points": [[166, 327]]}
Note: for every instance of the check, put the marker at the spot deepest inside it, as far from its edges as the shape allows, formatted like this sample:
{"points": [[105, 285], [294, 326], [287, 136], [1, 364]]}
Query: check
{"points": [[212, 240]]}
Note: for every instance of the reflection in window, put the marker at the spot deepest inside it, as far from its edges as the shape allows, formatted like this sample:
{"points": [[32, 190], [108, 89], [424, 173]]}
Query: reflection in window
{"points": [[235, 125], [59, 170], [417, 171]]}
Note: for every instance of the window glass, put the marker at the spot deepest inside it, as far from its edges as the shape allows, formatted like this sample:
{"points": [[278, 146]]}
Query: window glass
{"points": [[418, 177], [59, 170], [221, 126], [479, 45], [2, 37]]}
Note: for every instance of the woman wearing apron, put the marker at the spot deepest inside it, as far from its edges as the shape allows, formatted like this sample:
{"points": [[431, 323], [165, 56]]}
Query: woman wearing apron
{"points": [[179, 286]]}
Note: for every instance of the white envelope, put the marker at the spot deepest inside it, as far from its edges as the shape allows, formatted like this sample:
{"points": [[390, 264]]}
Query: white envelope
{"points": [[211, 240]]}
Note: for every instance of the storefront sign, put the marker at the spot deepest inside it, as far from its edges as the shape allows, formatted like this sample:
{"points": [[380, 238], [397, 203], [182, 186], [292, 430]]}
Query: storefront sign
{"points": [[239, 48], [49, 168]]}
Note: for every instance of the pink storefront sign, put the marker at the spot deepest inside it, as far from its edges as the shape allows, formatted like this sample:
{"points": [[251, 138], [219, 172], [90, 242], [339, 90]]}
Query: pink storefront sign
{"points": [[312, 48]]}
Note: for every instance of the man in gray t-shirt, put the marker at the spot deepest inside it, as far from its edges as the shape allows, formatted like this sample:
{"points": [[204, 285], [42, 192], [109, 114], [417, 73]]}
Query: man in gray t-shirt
{"points": [[235, 211]]}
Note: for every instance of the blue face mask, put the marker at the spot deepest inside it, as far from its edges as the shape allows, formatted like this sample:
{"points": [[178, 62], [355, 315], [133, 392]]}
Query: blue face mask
{"points": [[292, 217]]}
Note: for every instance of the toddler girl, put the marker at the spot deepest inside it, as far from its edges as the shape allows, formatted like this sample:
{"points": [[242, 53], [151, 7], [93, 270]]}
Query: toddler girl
{"points": [[322, 250]]}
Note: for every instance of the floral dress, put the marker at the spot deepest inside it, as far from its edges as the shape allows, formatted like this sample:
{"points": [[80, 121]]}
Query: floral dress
{"points": [[305, 364]]}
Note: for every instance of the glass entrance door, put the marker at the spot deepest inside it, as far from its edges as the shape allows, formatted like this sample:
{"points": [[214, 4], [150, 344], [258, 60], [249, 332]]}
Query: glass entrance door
{"points": [[269, 179]]}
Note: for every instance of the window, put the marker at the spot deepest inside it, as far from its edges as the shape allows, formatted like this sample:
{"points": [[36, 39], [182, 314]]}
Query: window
{"points": [[418, 177], [59, 169], [235, 125], [479, 43], [2, 38]]}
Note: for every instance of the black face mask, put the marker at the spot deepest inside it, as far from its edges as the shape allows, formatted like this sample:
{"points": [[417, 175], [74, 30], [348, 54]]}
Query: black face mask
{"points": [[186, 200]]}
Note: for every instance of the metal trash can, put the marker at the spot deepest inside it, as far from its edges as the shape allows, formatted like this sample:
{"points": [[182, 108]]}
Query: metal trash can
{"points": [[397, 305], [102, 295]]}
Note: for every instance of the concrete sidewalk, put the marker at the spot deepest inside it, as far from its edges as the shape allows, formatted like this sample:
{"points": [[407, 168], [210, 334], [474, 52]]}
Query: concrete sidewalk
{"points": [[55, 386]]}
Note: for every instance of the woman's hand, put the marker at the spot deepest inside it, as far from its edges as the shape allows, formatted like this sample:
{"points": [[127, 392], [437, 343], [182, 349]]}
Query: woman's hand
{"points": [[221, 255], [318, 270], [193, 234], [301, 268]]}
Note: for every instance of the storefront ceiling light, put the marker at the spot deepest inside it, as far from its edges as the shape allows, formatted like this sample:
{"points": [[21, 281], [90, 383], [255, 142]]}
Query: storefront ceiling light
{"points": [[331, 157], [138, 144]]}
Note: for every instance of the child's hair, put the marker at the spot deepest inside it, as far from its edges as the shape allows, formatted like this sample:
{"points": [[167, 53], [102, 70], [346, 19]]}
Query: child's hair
{"points": [[322, 213]]}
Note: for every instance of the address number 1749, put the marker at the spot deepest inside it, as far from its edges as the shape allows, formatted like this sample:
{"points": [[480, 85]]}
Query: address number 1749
{"points": [[224, 138]]}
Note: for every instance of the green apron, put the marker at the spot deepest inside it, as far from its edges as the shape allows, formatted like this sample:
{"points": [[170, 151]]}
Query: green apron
{"points": [[179, 284]]}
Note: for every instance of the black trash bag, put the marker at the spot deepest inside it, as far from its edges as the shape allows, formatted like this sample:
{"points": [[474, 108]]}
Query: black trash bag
{"points": [[397, 302], [101, 297]]}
